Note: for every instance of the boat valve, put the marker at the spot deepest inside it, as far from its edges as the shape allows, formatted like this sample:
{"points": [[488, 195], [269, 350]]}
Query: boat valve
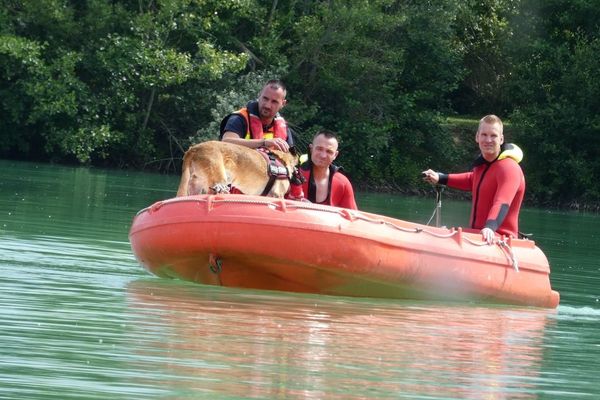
{"points": [[215, 263]]}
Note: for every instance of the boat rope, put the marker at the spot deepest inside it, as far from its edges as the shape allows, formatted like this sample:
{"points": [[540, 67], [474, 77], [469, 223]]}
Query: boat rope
{"points": [[475, 243], [509, 253], [403, 229], [351, 215]]}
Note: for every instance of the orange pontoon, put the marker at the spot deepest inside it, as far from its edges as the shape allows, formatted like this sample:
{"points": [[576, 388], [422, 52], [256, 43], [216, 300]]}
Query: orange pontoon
{"points": [[265, 243]]}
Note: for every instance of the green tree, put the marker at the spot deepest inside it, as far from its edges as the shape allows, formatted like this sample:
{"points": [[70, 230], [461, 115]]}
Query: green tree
{"points": [[557, 100], [133, 83], [113, 79], [483, 31], [378, 72]]}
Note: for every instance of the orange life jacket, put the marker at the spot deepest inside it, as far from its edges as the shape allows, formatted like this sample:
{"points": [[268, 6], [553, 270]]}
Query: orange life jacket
{"points": [[254, 126]]}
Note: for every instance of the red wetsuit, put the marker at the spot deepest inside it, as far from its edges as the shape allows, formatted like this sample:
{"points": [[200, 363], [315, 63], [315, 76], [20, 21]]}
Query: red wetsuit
{"points": [[340, 192], [498, 189]]}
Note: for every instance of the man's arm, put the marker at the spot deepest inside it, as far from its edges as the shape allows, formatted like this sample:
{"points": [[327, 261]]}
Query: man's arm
{"points": [[235, 132], [232, 137], [273, 143], [341, 184], [349, 201], [462, 181], [508, 180]]}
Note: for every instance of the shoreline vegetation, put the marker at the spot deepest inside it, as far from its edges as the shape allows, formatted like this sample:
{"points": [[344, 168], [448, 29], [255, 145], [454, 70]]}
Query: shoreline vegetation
{"points": [[463, 130], [452, 194], [131, 85]]}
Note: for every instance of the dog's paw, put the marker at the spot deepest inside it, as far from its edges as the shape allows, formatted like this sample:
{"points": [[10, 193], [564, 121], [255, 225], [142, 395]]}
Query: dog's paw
{"points": [[220, 188]]}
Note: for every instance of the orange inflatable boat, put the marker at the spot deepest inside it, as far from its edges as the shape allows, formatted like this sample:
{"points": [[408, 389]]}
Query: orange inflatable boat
{"points": [[265, 243]]}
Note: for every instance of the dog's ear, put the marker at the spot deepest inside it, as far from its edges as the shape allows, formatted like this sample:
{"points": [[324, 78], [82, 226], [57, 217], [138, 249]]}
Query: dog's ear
{"points": [[294, 152]]}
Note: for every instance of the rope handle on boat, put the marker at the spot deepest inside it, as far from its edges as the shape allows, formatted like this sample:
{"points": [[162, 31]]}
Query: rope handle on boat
{"points": [[504, 246], [509, 253], [353, 216], [215, 264]]}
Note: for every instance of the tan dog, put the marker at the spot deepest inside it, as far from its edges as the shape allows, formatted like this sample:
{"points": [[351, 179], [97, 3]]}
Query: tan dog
{"points": [[214, 167]]}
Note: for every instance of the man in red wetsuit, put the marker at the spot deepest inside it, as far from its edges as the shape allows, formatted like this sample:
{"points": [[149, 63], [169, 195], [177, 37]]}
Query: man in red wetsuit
{"points": [[496, 182], [325, 184]]}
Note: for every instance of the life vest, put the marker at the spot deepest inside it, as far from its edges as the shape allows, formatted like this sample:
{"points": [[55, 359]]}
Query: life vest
{"points": [[507, 150], [254, 125], [511, 150]]}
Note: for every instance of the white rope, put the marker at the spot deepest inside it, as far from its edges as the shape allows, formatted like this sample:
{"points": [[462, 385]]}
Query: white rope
{"points": [[507, 250], [509, 253]]}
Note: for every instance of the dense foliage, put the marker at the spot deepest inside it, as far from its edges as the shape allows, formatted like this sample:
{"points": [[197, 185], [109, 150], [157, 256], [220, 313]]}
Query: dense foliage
{"points": [[132, 83]]}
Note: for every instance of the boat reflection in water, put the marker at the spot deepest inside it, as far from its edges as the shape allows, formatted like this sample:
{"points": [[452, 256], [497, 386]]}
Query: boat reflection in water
{"points": [[253, 344]]}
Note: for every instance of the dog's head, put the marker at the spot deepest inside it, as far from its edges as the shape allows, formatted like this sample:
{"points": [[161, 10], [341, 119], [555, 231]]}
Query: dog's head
{"points": [[296, 177]]}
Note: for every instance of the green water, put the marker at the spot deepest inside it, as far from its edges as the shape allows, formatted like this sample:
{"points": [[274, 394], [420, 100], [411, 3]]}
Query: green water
{"points": [[80, 319]]}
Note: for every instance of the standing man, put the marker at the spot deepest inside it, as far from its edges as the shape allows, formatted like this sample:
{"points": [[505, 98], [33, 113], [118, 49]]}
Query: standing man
{"points": [[259, 123], [496, 182], [324, 182]]}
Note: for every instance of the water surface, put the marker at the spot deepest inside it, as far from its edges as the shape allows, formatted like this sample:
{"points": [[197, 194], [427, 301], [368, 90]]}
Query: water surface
{"points": [[82, 320]]}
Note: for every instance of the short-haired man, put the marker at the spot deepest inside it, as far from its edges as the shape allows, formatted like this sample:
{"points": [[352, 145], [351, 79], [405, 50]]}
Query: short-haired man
{"points": [[259, 124], [325, 184], [496, 181]]}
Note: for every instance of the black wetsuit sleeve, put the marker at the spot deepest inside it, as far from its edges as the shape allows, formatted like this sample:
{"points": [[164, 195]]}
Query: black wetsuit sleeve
{"points": [[443, 178], [494, 224]]}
